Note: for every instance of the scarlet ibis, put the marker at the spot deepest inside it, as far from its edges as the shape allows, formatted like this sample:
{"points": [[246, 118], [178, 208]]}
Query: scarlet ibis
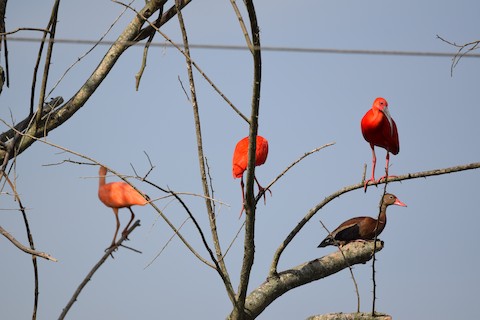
{"points": [[118, 195], [240, 161], [379, 129], [361, 228]]}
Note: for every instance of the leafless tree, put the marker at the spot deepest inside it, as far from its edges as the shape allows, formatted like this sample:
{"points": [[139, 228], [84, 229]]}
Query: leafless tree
{"points": [[45, 116]]}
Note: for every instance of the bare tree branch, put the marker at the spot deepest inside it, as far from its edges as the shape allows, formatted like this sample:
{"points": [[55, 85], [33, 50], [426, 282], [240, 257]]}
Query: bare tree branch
{"points": [[249, 241], [242, 25], [3, 40], [60, 116], [51, 31], [139, 74], [260, 194], [355, 285], [374, 259], [315, 209], [219, 262], [274, 287], [463, 50], [22, 29], [48, 59], [351, 316], [25, 249]]}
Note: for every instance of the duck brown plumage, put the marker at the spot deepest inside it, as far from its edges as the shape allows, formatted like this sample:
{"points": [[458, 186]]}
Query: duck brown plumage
{"points": [[361, 228]]}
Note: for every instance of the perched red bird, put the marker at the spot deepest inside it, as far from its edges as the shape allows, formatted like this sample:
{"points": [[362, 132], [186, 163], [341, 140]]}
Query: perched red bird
{"points": [[240, 161], [118, 195], [361, 228], [379, 129]]}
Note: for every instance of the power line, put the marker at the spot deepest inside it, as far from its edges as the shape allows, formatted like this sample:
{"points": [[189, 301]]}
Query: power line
{"points": [[264, 48]]}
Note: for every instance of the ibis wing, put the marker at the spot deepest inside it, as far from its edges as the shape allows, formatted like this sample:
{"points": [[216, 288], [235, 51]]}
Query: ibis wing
{"points": [[395, 148], [389, 137], [240, 158]]}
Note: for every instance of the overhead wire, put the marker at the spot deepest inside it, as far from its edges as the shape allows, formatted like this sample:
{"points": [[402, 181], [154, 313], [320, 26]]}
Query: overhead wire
{"points": [[264, 48]]}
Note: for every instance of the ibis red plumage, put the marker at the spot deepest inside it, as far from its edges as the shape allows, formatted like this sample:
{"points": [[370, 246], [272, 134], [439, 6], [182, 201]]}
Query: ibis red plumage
{"points": [[379, 129], [240, 161], [118, 195]]}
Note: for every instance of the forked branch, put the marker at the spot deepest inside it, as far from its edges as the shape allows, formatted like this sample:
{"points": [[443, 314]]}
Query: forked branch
{"points": [[306, 154], [25, 249], [463, 50], [274, 287]]}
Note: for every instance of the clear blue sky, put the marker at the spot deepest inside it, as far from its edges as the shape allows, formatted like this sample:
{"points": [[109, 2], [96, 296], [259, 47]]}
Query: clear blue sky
{"points": [[428, 268]]}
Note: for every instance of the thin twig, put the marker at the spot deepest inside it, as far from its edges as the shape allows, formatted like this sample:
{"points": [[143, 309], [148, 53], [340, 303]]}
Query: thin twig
{"points": [[188, 194], [470, 46], [51, 26], [24, 29], [25, 249], [234, 239], [210, 184], [166, 244], [139, 74], [374, 281], [348, 264], [242, 25], [3, 39], [151, 165], [46, 67], [95, 268], [259, 196], [364, 174]]}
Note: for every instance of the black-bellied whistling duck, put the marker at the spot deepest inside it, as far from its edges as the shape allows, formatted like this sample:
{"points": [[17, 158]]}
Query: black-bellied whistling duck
{"points": [[379, 129], [361, 228]]}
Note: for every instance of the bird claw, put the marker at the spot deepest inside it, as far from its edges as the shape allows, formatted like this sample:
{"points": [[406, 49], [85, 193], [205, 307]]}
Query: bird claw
{"points": [[113, 247], [261, 192], [366, 183], [385, 178]]}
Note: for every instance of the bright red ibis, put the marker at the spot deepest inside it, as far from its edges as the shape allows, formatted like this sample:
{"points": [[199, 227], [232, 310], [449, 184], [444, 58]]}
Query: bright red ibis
{"points": [[361, 228], [240, 161], [118, 195], [379, 129]]}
